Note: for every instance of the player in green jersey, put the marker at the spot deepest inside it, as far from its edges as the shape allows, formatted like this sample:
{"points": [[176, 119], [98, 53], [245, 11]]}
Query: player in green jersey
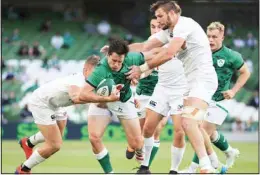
{"points": [[114, 66], [144, 91], [226, 63]]}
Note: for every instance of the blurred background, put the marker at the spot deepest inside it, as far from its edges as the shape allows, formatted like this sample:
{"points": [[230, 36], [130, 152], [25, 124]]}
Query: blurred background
{"points": [[44, 40]]}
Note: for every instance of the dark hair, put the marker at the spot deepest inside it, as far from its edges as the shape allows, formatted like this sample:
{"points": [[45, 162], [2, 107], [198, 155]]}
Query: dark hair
{"points": [[118, 46], [93, 60], [167, 5]]}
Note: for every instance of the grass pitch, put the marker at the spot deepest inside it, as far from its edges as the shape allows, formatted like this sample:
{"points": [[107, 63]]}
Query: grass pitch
{"points": [[77, 157]]}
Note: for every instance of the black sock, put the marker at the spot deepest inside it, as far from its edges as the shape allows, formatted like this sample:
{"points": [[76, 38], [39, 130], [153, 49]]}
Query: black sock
{"points": [[25, 168], [30, 144]]}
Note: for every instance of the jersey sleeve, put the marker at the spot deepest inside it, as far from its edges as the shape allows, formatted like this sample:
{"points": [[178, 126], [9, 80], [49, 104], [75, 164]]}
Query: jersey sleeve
{"points": [[238, 61], [182, 29], [96, 77], [135, 58], [161, 36]]}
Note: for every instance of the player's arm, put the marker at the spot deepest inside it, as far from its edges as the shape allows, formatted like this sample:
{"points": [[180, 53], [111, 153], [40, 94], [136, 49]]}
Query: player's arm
{"points": [[145, 46], [242, 79], [162, 55], [86, 95], [241, 67]]}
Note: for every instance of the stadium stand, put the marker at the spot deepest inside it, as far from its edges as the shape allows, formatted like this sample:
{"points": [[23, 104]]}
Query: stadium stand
{"points": [[23, 74]]}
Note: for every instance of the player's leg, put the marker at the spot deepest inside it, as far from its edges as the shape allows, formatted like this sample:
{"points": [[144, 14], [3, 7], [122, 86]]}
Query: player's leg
{"points": [[133, 135], [27, 144], [51, 133], [140, 104], [98, 119], [150, 125], [219, 140], [157, 107], [217, 115], [156, 143], [194, 110], [178, 147]]}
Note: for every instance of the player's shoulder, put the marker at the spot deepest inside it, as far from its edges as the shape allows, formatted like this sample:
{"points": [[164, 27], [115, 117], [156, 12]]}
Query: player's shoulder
{"points": [[232, 53], [133, 54]]}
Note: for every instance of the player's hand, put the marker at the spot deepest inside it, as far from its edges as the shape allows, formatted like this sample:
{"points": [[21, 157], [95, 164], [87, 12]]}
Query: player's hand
{"points": [[229, 94], [137, 103], [134, 73], [134, 82], [74, 92], [115, 94], [104, 49]]}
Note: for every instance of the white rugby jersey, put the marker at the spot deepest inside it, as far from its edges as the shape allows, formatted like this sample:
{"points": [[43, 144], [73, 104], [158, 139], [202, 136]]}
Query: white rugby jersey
{"points": [[197, 55], [55, 93]]}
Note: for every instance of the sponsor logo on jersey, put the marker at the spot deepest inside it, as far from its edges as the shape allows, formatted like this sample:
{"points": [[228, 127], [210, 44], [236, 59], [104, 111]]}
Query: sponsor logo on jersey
{"points": [[53, 117], [180, 107], [220, 62], [153, 103]]}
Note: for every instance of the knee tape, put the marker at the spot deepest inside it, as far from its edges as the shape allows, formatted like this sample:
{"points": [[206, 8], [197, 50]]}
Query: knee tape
{"points": [[193, 113]]}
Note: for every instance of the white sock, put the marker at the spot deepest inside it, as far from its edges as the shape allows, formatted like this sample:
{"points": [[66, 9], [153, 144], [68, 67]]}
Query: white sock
{"points": [[34, 160], [177, 155], [228, 149], [36, 138], [205, 163], [215, 137], [214, 160], [156, 143], [193, 167], [102, 154], [148, 146]]}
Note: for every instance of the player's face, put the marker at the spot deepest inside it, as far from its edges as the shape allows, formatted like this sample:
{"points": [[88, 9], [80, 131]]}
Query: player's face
{"points": [[115, 61], [154, 26], [215, 39], [165, 19]]}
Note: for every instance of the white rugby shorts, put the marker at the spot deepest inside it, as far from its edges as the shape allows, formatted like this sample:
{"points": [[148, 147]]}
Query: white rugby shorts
{"points": [[216, 113], [166, 101]]}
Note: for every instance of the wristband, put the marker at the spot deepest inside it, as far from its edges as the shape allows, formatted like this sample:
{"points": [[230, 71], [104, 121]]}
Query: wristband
{"points": [[144, 67]]}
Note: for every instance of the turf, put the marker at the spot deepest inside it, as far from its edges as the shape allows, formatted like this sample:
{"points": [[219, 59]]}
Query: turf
{"points": [[77, 157]]}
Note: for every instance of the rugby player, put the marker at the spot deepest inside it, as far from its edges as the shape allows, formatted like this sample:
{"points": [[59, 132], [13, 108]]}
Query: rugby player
{"points": [[226, 62], [183, 32], [44, 105]]}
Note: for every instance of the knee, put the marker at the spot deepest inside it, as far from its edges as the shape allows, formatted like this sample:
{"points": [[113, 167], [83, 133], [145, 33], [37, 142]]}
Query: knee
{"points": [[148, 130], [136, 142], [179, 132], [55, 146], [186, 123], [94, 138]]}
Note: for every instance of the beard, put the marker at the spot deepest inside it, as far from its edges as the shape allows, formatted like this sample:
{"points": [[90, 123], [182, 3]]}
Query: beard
{"points": [[168, 24]]}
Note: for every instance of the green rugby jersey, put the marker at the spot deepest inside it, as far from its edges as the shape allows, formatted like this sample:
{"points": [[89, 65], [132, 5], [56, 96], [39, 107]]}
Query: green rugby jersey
{"points": [[146, 85], [103, 71], [226, 62]]}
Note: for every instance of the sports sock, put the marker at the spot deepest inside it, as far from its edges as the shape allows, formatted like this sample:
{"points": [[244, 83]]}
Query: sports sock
{"points": [[220, 141], [33, 160], [214, 160], [155, 149], [35, 139], [148, 144], [205, 163], [176, 158], [104, 160]]}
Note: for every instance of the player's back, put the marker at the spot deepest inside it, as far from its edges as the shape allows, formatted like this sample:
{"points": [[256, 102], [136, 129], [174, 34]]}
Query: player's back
{"points": [[55, 93]]}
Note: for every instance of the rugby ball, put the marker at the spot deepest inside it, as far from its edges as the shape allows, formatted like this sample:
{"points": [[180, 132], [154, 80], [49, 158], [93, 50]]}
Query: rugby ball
{"points": [[105, 87]]}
